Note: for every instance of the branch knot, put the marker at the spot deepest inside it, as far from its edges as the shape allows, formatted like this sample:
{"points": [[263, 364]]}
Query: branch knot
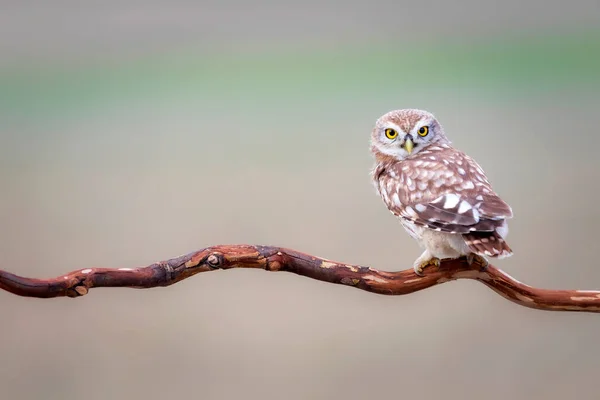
{"points": [[214, 260]]}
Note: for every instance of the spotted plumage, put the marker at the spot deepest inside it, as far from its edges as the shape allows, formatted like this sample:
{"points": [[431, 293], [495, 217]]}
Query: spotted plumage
{"points": [[441, 195]]}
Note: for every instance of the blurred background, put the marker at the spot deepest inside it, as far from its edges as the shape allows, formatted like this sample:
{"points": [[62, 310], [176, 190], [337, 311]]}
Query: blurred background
{"points": [[132, 132]]}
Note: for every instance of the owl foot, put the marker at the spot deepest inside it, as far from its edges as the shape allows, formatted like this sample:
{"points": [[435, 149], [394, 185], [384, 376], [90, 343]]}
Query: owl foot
{"points": [[420, 265], [477, 260]]}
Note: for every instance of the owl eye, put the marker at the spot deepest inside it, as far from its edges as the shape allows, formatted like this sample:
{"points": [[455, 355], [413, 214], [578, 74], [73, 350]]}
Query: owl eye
{"points": [[423, 131], [391, 134]]}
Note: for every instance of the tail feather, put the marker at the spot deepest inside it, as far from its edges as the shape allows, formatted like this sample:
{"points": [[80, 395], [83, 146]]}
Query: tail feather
{"points": [[489, 244]]}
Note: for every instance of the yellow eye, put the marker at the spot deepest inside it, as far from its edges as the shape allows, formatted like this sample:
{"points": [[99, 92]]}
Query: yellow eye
{"points": [[423, 131], [390, 133]]}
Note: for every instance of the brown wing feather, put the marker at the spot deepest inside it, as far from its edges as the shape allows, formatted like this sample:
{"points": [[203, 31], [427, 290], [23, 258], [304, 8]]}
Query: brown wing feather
{"points": [[442, 189]]}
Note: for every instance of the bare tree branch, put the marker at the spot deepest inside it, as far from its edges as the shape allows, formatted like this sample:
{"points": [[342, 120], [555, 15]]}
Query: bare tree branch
{"points": [[165, 273]]}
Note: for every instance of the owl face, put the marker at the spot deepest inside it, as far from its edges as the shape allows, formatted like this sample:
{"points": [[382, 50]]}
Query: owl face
{"points": [[403, 133]]}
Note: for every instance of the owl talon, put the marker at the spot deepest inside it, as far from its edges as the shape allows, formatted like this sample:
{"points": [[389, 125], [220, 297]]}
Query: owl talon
{"points": [[476, 259], [421, 265]]}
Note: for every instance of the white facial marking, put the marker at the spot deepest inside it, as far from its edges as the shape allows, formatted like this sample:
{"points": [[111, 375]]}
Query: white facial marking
{"points": [[125, 269], [86, 271], [451, 201]]}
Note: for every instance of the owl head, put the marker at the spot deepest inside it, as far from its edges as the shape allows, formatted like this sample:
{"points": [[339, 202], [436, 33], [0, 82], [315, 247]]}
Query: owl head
{"points": [[404, 133]]}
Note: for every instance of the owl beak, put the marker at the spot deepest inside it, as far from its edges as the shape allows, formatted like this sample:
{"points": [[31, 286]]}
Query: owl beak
{"points": [[408, 144]]}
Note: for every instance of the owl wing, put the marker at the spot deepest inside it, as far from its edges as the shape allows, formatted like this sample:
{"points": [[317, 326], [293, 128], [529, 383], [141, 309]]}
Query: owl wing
{"points": [[445, 191]]}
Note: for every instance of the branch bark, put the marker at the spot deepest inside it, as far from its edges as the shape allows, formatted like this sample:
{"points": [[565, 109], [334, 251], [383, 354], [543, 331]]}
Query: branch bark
{"points": [[165, 273]]}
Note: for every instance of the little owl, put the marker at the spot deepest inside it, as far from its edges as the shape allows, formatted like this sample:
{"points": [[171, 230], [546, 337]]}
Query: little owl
{"points": [[441, 195]]}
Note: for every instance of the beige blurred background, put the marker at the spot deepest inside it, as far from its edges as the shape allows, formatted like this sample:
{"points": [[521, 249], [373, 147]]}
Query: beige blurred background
{"points": [[132, 132]]}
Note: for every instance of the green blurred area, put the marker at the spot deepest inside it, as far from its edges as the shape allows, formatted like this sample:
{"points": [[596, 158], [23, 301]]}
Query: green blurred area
{"points": [[507, 67]]}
